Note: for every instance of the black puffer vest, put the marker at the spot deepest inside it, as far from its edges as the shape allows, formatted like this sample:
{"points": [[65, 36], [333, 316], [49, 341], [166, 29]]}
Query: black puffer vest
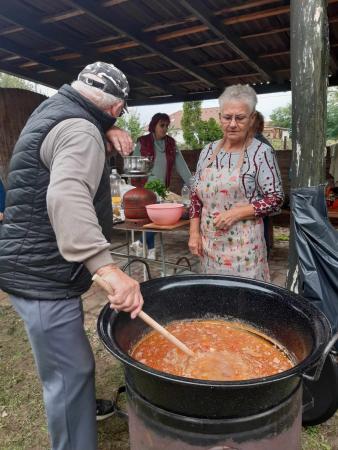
{"points": [[31, 265]]}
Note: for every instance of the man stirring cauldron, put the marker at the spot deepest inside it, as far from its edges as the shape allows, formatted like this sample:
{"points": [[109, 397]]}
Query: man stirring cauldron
{"points": [[56, 235]]}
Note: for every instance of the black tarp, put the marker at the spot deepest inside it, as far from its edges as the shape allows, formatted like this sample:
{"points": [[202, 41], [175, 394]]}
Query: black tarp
{"points": [[316, 243]]}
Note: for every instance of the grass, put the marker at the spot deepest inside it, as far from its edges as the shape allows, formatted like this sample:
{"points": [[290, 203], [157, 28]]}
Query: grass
{"points": [[22, 421]]}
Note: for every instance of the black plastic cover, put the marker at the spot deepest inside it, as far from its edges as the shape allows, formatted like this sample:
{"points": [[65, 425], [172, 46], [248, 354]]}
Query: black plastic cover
{"points": [[317, 248], [316, 243]]}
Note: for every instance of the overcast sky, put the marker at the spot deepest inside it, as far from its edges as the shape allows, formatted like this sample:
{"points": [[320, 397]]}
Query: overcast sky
{"points": [[266, 104]]}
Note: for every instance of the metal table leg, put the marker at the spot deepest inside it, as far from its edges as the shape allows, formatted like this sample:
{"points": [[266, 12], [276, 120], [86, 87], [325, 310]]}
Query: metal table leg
{"points": [[164, 268], [144, 254], [128, 252]]}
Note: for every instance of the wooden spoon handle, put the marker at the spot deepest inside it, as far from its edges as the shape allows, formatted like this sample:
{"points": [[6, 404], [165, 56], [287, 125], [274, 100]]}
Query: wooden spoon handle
{"points": [[148, 320]]}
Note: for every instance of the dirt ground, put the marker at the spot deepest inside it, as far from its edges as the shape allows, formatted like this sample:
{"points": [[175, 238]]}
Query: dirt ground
{"points": [[22, 421]]}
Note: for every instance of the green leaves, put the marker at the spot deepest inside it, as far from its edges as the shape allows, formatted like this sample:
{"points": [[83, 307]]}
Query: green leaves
{"points": [[158, 187], [131, 123]]}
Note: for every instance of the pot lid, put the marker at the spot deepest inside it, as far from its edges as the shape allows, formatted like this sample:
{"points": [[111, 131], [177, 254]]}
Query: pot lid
{"points": [[320, 398]]}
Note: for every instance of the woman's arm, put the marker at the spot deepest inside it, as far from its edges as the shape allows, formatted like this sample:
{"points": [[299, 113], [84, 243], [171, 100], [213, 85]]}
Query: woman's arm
{"points": [[195, 239], [182, 168], [269, 184]]}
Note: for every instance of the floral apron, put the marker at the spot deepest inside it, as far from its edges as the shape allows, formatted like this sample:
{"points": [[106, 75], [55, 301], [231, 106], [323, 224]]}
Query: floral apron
{"points": [[240, 250]]}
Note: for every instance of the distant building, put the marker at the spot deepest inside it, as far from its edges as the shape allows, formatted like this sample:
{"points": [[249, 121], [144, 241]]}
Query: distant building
{"points": [[270, 131], [273, 132]]}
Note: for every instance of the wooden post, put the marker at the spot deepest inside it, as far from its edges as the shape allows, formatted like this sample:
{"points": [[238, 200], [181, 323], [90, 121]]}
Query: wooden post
{"points": [[309, 69]]}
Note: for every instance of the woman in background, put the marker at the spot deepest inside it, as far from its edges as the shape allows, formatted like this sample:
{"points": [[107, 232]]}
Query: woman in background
{"points": [[162, 150], [237, 183]]}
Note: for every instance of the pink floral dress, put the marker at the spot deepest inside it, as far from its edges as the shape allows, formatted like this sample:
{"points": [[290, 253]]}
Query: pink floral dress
{"points": [[240, 250]]}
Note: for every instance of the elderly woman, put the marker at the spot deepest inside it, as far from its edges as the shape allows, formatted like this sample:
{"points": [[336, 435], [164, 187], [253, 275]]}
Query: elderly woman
{"points": [[160, 148], [237, 183]]}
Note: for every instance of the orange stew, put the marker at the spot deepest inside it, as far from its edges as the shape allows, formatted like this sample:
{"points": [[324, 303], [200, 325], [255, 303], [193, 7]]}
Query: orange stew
{"points": [[222, 352]]}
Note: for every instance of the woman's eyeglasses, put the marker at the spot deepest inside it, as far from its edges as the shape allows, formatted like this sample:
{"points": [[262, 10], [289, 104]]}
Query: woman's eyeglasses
{"points": [[239, 119]]}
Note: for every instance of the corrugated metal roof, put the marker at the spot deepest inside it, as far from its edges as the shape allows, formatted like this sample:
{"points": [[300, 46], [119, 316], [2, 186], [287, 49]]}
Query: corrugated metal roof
{"points": [[165, 48]]}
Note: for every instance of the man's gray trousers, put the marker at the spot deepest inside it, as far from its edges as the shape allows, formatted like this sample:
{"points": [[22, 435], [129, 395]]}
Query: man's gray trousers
{"points": [[66, 368]]}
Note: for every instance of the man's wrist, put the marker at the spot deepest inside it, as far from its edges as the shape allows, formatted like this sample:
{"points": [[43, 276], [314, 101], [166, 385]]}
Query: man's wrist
{"points": [[105, 269]]}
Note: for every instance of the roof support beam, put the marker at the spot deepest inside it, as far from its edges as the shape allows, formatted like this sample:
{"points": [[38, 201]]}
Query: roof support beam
{"points": [[123, 25], [198, 8], [24, 52], [26, 18], [28, 75]]}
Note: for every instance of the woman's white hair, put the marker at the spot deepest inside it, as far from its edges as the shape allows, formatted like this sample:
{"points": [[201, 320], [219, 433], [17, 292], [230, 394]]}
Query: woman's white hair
{"points": [[239, 92], [101, 99]]}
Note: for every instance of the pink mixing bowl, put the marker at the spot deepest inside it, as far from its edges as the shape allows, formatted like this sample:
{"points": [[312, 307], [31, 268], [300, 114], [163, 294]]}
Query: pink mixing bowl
{"points": [[165, 213]]}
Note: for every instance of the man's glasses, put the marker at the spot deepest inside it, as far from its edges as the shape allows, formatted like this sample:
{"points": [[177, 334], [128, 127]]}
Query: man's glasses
{"points": [[239, 119], [164, 125]]}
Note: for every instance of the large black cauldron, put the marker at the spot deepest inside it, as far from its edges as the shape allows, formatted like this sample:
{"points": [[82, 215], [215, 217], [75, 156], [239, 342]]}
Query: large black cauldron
{"points": [[287, 317]]}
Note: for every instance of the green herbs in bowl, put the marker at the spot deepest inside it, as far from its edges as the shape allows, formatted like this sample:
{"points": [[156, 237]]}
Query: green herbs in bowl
{"points": [[158, 187]]}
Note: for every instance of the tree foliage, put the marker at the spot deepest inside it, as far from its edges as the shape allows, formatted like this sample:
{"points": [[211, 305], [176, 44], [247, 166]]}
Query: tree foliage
{"points": [[332, 115], [198, 132], [282, 116], [10, 81], [209, 131], [190, 123], [131, 123]]}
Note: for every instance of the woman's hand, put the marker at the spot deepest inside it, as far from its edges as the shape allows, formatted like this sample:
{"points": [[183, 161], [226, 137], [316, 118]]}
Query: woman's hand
{"points": [[120, 140], [226, 219], [195, 244], [125, 291]]}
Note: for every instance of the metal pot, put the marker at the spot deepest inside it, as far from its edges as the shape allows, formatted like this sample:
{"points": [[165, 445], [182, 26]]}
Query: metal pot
{"points": [[289, 318], [137, 165]]}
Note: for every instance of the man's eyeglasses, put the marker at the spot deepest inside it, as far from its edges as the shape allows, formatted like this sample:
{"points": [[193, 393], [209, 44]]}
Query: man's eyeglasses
{"points": [[227, 118], [163, 125]]}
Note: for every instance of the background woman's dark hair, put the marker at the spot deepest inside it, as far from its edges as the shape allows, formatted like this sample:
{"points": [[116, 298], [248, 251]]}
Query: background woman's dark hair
{"points": [[258, 125], [155, 119]]}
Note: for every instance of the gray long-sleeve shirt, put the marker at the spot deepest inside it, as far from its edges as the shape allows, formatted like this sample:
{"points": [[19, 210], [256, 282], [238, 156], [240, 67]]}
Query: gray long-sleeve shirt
{"points": [[74, 153], [160, 164]]}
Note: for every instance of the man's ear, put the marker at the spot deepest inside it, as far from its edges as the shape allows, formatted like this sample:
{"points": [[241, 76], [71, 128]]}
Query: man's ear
{"points": [[116, 108]]}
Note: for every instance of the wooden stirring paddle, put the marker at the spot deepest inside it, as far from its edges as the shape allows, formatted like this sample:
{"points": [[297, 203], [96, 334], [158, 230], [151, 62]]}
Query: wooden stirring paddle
{"points": [[148, 320]]}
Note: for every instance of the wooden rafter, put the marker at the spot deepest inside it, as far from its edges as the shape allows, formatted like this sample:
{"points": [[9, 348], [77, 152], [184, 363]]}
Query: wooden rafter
{"points": [[122, 24], [257, 15], [184, 48], [28, 19], [246, 5], [29, 74], [62, 16], [120, 46], [181, 32], [23, 52], [138, 57], [266, 33], [169, 23], [199, 9], [11, 30]]}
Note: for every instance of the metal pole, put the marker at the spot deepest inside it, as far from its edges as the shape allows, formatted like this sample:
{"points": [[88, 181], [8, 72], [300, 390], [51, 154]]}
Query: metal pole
{"points": [[309, 70]]}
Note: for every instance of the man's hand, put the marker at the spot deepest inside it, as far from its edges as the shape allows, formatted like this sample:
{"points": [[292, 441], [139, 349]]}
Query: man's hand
{"points": [[1, 216], [126, 295], [195, 244], [120, 140]]}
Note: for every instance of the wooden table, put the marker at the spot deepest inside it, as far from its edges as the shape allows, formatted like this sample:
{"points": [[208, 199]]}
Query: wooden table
{"points": [[129, 227]]}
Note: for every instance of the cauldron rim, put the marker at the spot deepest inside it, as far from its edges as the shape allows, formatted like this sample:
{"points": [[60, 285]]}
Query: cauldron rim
{"points": [[300, 368]]}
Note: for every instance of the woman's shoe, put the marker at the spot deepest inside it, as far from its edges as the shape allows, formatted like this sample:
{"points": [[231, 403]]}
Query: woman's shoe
{"points": [[152, 253], [137, 247]]}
